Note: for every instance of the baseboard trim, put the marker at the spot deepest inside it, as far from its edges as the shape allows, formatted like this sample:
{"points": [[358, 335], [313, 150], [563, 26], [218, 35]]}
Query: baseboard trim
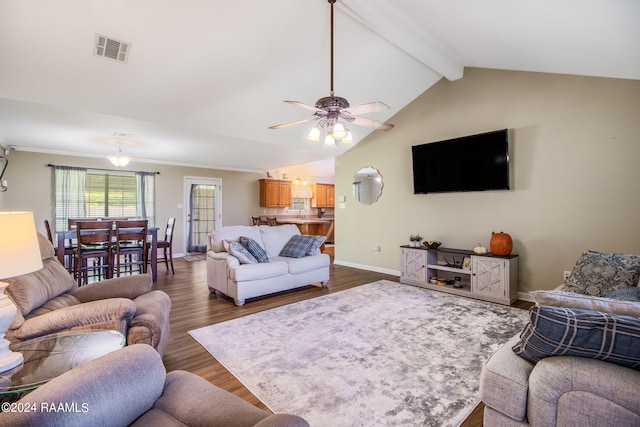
{"points": [[526, 296], [367, 267]]}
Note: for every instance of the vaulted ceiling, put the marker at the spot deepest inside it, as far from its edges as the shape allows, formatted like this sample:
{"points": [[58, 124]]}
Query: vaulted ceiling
{"points": [[204, 79]]}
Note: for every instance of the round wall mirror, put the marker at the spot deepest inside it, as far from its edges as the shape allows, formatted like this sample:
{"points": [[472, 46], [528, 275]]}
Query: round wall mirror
{"points": [[367, 185]]}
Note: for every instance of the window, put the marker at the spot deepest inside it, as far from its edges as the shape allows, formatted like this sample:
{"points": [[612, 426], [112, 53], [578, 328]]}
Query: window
{"points": [[91, 193], [298, 204], [111, 194]]}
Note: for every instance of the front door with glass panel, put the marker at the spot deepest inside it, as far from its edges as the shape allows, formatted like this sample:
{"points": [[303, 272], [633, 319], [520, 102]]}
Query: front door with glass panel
{"points": [[204, 207]]}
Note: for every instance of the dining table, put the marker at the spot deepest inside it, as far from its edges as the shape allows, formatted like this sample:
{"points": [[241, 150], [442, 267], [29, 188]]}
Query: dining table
{"points": [[62, 236]]}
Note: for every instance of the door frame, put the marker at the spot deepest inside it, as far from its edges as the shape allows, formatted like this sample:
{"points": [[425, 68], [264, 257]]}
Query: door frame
{"points": [[188, 181]]}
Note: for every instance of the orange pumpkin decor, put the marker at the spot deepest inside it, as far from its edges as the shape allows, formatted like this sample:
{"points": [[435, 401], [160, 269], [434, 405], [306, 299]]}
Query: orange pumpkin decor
{"points": [[500, 244]]}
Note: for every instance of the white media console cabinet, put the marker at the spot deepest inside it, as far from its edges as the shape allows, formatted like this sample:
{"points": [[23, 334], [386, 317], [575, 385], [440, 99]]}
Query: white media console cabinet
{"points": [[462, 272]]}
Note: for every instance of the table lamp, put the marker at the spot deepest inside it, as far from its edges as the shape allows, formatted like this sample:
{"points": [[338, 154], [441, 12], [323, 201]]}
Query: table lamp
{"points": [[19, 254]]}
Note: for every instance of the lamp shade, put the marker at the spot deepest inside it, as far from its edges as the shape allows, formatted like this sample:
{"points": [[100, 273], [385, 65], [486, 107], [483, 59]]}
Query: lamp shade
{"points": [[19, 249]]}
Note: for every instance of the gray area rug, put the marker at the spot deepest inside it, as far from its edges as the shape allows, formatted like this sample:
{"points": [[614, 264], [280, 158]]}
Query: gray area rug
{"points": [[380, 354]]}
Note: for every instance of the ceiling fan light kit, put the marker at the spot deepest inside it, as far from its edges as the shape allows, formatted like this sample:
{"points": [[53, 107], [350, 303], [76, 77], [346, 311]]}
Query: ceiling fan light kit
{"points": [[334, 112]]}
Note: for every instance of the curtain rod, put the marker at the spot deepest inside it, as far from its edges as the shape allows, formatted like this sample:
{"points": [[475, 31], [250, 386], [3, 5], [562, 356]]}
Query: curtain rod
{"points": [[99, 169]]}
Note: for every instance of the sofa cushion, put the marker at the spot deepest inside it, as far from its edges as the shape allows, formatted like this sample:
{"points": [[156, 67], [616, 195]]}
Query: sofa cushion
{"points": [[504, 382], [317, 242], [599, 274], [297, 246], [304, 264], [254, 248], [258, 271], [586, 302], [233, 233], [276, 236], [554, 331], [239, 251]]}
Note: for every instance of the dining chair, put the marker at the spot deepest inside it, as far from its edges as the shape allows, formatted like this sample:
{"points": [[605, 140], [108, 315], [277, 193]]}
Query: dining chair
{"points": [[167, 244], [131, 246], [271, 220], [95, 245], [69, 249]]}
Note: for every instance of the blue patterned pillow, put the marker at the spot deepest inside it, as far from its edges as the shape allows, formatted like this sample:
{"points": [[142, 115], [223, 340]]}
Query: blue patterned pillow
{"points": [[598, 274], [554, 331], [315, 247], [297, 246], [626, 294], [237, 250], [254, 248]]}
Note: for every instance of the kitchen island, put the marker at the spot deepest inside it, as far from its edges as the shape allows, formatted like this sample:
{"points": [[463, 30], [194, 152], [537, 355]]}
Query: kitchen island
{"points": [[313, 226]]}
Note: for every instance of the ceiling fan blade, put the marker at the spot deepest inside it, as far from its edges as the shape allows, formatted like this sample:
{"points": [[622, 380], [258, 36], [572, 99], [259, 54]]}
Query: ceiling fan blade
{"points": [[297, 122], [370, 107], [369, 123], [307, 107]]}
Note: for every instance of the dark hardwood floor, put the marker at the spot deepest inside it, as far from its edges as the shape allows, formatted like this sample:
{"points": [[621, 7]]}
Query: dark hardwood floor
{"points": [[194, 307]]}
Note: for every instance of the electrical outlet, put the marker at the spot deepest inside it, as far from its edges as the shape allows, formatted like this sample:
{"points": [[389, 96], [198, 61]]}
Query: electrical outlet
{"points": [[566, 274], [377, 249]]}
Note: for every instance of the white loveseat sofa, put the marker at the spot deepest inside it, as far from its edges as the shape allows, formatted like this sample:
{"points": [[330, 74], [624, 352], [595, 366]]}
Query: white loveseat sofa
{"points": [[227, 275]]}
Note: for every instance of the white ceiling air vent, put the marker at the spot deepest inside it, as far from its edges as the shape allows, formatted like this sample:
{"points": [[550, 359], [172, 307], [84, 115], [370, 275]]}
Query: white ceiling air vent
{"points": [[110, 48]]}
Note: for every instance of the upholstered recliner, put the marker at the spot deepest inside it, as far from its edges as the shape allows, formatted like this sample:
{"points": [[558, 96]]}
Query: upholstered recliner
{"points": [[130, 387], [50, 301]]}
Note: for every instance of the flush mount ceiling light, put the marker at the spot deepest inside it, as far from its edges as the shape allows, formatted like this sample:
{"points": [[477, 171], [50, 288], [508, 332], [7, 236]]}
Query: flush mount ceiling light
{"points": [[119, 159], [334, 113]]}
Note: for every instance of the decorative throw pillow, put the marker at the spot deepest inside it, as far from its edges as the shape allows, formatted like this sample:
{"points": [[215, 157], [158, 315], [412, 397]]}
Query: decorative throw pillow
{"points": [[599, 274], [315, 247], [626, 294], [554, 331], [297, 246], [254, 248], [237, 250]]}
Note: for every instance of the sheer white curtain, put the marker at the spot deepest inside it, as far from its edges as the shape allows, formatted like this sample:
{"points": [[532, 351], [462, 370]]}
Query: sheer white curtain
{"points": [[145, 196], [70, 194]]}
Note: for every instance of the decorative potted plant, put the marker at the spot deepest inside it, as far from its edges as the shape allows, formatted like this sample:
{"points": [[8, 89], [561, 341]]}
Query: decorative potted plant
{"points": [[415, 240]]}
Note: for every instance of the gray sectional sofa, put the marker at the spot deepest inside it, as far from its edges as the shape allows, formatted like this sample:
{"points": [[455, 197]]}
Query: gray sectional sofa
{"points": [[240, 281]]}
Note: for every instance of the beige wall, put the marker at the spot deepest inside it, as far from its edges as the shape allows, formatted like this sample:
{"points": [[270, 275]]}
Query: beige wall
{"points": [[575, 151], [31, 188]]}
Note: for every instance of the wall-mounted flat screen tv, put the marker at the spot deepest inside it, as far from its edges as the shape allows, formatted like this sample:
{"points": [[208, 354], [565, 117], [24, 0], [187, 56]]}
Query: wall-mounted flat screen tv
{"points": [[470, 163]]}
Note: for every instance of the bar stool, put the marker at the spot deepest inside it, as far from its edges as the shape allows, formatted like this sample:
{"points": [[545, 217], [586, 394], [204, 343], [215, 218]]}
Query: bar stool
{"points": [[95, 244], [167, 244], [131, 246]]}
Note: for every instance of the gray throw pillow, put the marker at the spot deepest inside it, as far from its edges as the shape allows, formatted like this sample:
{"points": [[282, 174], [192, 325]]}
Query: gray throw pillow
{"points": [[237, 250], [315, 247], [297, 246], [599, 274], [254, 248]]}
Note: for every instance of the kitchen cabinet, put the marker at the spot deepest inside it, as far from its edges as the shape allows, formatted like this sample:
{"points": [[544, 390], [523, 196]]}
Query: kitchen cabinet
{"points": [[323, 196], [275, 193]]}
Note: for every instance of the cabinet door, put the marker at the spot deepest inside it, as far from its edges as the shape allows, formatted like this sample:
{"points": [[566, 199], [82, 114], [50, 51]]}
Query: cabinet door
{"points": [[489, 276], [330, 196], [285, 194], [414, 265], [269, 193], [321, 196]]}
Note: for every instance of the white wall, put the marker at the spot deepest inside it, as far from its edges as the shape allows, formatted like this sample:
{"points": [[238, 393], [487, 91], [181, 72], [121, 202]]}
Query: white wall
{"points": [[575, 153]]}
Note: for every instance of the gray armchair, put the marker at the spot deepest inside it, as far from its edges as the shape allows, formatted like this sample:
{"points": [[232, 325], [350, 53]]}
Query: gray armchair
{"points": [[130, 387], [50, 301]]}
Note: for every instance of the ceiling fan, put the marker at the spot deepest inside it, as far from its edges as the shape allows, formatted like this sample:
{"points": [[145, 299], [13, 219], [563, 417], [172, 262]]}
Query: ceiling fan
{"points": [[333, 113]]}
